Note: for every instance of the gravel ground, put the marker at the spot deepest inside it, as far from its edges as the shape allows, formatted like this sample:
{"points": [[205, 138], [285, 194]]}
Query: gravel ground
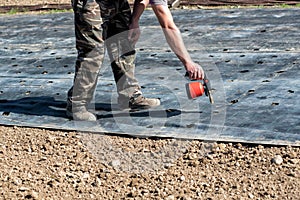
{"points": [[47, 164]]}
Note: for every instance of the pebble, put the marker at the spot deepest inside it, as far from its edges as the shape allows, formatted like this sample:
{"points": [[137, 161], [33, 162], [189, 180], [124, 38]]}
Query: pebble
{"points": [[294, 161], [182, 178], [251, 196], [171, 197], [210, 157], [17, 181], [293, 155], [192, 156], [22, 189], [222, 146], [277, 160], [195, 163], [86, 175], [115, 163], [34, 195], [43, 158], [260, 147]]}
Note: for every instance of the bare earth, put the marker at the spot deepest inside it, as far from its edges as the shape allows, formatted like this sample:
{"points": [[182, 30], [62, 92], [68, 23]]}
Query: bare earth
{"points": [[48, 164]]}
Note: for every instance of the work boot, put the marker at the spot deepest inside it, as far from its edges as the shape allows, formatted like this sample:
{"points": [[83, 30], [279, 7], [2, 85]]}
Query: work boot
{"points": [[80, 114], [140, 102]]}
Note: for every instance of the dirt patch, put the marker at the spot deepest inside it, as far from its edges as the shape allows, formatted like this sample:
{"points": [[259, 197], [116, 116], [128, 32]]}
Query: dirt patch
{"points": [[46, 164]]}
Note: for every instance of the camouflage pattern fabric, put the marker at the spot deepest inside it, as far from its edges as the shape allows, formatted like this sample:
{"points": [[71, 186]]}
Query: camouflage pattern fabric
{"points": [[100, 24]]}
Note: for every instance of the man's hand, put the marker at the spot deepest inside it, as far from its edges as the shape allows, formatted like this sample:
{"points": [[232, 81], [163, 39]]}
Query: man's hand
{"points": [[195, 71], [134, 33]]}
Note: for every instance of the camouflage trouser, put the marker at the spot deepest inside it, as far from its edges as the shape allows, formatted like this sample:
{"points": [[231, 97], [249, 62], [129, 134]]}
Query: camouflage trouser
{"points": [[97, 21]]}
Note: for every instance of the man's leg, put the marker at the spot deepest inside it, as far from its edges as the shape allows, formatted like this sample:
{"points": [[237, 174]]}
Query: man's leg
{"points": [[90, 47], [122, 54]]}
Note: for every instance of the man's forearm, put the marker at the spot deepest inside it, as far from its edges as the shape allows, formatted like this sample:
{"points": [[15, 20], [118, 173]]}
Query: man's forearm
{"points": [[176, 43], [172, 33]]}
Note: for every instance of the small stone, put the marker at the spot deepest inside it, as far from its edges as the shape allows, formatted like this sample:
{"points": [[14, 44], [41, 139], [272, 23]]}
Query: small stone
{"points": [[171, 197], [277, 160], [292, 174], [115, 163], [294, 161], [22, 189], [17, 181], [192, 156], [34, 195], [182, 178], [134, 182], [293, 155], [222, 146], [251, 196], [57, 164], [210, 157], [43, 158], [98, 181], [223, 180], [260, 147], [133, 192], [86, 175], [195, 163]]}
